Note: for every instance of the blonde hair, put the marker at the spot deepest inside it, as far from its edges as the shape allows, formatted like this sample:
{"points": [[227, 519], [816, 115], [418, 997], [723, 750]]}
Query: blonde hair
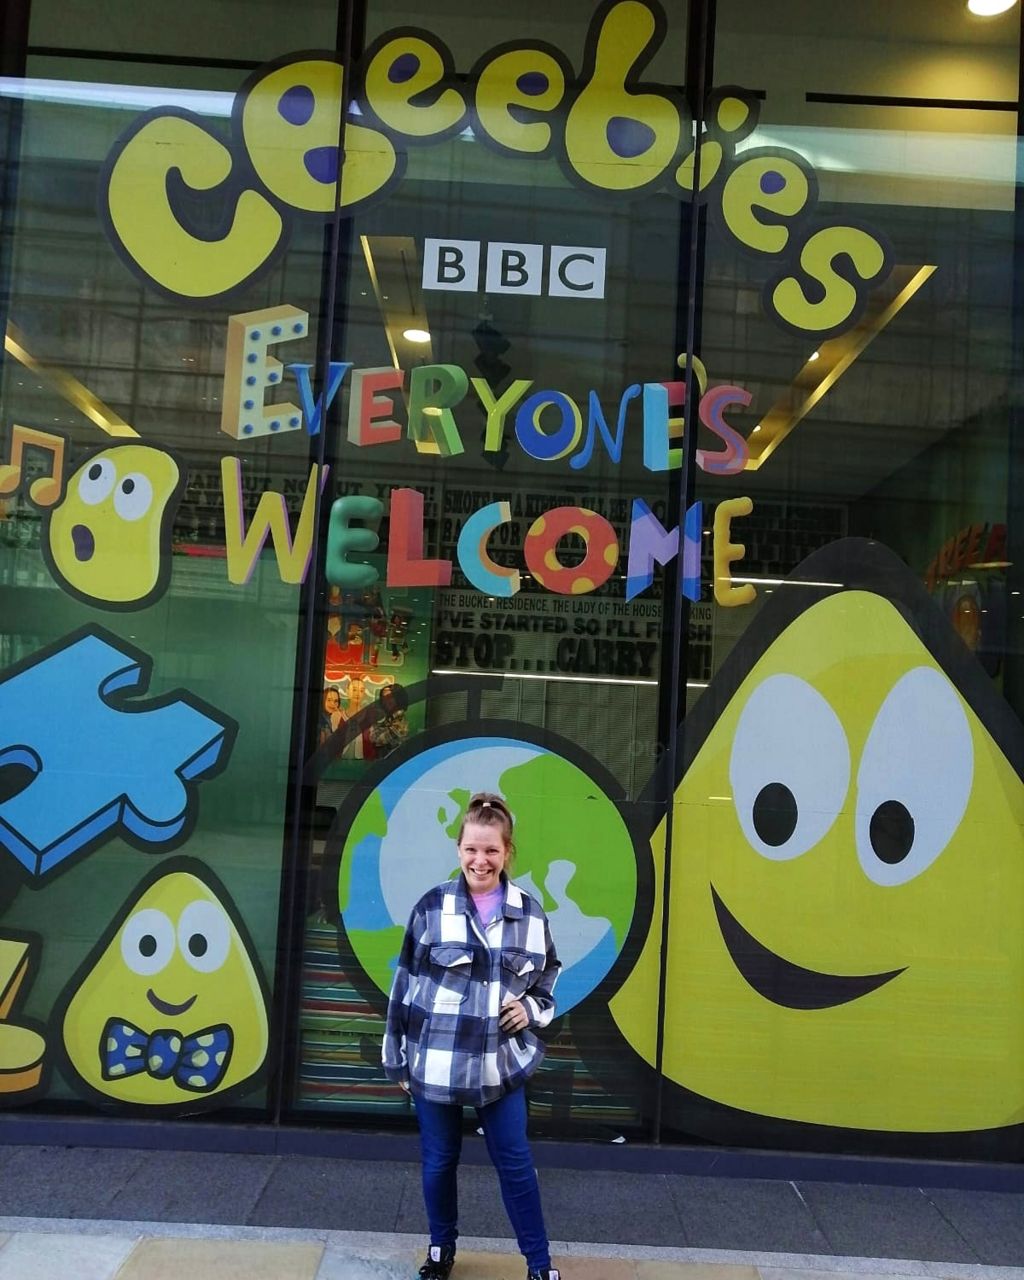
{"points": [[489, 810]]}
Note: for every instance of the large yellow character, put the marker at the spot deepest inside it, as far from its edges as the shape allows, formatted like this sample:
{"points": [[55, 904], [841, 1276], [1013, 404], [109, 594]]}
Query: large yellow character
{"points": [[846, 941], [109, 541], [171, 1010]]}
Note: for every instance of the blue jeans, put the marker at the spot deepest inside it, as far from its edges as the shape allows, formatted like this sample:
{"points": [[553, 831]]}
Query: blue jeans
{"points": [[504, 1126]]}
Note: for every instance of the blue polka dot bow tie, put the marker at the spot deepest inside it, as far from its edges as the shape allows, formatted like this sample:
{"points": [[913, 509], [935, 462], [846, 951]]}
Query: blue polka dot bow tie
{"points": [[195, 1062]]}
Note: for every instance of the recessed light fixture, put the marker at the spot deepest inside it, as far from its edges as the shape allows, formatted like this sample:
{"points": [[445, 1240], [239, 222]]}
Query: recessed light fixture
{"points": [[814, 356], [989, 8], [416, 335]]}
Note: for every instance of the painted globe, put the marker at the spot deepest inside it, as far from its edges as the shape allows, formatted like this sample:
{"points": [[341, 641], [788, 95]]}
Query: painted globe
{"points": [[574, 853]]}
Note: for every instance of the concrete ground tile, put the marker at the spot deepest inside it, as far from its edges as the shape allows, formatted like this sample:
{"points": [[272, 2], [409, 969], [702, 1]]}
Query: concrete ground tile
{"points": [[745, 1213], [342, 1262], [193, 1186], [470, 1265], [884, 1222], [694, 1271], [614, 1208], [595, 1268], [65, 1182], [167, 1259], [792, 1273], [56, 1257], [992, 1222], [335, 1195]]}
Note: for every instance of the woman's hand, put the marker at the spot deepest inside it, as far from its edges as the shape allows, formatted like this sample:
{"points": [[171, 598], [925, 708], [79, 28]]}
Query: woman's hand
{"points": [[513, 1016]]}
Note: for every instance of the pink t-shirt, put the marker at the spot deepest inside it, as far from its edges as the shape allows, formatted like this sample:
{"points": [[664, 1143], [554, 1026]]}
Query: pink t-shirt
{"points": [[488, 904]]}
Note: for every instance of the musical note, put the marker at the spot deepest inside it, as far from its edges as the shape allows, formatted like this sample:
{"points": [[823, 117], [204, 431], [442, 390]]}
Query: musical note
{"points": [[45, 490]]}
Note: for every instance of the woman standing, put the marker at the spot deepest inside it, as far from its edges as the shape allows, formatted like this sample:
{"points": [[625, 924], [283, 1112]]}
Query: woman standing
{"points": [[474, 979]]}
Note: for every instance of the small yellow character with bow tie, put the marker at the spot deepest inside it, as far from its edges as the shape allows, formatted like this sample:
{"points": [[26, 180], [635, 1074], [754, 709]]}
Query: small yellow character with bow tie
{"points": [[170, 1009]]}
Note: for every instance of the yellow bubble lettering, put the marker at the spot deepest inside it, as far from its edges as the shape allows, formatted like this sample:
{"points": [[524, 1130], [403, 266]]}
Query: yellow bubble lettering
{"points": [[841, 298], [769, 184], [530, 81], [149, 230], [727, 551], [291, 127], [615, 138], [399, 72]]}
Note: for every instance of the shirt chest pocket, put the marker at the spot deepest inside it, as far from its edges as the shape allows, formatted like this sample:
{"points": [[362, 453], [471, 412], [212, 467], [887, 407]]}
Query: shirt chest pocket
{"points": [[450, 970], [518, 969]]}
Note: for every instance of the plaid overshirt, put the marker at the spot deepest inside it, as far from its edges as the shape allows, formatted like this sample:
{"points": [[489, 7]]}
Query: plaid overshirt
{"points": [[442, 1035]]}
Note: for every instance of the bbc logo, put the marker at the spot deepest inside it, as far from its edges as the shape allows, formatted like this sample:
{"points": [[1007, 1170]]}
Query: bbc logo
{"points": [[573, 271]]}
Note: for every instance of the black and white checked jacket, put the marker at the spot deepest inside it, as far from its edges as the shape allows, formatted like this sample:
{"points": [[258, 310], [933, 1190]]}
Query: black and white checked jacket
{"points": [[442, 1035]]}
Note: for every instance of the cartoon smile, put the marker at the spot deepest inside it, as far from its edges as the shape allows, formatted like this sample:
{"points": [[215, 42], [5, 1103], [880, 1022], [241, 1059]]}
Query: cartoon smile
{"points": [[171, 1010], [83, 541], [784, 983]]}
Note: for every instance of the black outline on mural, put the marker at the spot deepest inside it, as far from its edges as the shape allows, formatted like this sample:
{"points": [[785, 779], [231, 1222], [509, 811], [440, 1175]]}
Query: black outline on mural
{"points": [[520, 111], [796, 223], [842, 265], [163, 579], [861, 565], [128, 701], [286, 210], [199, 1102], [450, 80], [241, 178], [633, 84]]}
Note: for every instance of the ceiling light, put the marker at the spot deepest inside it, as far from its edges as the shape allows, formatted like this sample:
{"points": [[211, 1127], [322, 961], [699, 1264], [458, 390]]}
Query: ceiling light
{"points": [[814, 356], [416, 335], [989, 8]]}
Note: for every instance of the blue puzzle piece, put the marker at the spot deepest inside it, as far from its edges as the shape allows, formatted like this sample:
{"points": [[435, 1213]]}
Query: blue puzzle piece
{"points": [[101, 770]]}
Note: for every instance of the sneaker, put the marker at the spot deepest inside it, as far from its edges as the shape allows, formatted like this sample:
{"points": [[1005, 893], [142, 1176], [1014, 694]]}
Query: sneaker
{"points": [[439, 1263], [545, 1273]]}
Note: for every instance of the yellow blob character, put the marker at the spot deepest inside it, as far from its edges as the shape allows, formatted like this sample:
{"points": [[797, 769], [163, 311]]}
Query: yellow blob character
{"points": [[845, 944], [109, 541], [171, 1010]]}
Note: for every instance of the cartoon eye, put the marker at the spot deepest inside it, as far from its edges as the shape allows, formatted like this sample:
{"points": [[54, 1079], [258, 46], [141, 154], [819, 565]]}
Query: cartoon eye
{"points": [[97, 481], [789, 769], [203, 936], [914, 779], [134, 497], [147, 942]]}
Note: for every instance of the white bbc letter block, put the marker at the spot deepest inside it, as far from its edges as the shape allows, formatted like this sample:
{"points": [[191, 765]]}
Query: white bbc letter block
{"points": [[514, 268], [451, 264], [576, 271]]}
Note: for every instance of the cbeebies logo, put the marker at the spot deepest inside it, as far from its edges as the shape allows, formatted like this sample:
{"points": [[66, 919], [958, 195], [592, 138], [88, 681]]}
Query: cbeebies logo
{"points": [[199, 217]]}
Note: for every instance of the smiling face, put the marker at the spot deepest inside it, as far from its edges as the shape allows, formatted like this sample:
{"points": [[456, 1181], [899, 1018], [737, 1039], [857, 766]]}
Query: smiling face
{"points": [[175, 964], [483, 855], [845, 944], [109, 538]]}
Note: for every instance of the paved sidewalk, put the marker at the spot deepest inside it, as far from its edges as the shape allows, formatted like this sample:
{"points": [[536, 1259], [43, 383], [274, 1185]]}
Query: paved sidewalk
{"points": [[63, 1249], [90, 1213]]}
